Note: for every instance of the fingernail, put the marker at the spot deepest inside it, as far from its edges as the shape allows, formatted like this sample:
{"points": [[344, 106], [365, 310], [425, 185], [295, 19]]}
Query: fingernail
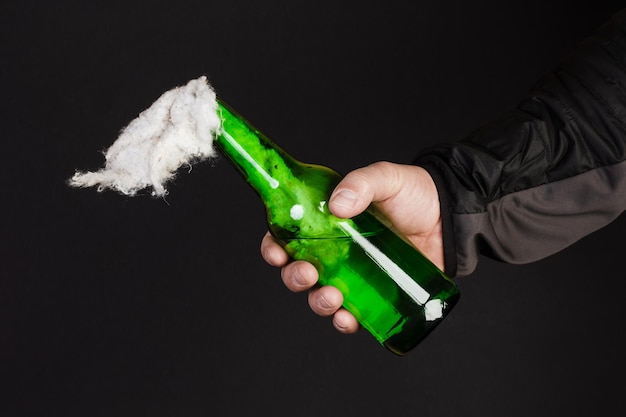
{"points": [[344, 198]]}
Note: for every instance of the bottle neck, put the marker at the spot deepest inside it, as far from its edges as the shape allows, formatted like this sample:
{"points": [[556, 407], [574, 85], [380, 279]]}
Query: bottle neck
{"points": [[295, 194], [264, 165]]}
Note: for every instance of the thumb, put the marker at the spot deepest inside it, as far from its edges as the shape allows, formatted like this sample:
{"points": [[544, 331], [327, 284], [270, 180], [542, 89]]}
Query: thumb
{"points": [[359, 188]]}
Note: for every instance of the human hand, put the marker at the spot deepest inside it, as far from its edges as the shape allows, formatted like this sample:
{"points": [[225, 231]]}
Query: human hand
{"points": [[405, 194]]}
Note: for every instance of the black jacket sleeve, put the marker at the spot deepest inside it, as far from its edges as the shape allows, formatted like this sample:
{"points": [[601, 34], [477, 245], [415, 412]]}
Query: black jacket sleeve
{"points": [[546, 174]]}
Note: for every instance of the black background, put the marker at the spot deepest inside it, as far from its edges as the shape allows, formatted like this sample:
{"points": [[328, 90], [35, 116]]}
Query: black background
{"points": [[118, 306]]}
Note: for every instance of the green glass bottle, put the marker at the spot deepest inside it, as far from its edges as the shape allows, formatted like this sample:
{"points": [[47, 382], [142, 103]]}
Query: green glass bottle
{"points": [[397, 294]]}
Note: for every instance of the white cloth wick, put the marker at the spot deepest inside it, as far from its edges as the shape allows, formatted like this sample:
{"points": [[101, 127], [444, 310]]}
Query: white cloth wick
{"points": [[177, 129]]}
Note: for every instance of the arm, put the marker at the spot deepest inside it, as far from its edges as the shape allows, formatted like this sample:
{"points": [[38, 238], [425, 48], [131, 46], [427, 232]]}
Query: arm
{"points": [[543, 176]]}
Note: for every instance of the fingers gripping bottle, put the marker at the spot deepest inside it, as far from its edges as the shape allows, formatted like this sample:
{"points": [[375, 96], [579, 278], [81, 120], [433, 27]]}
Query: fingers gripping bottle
{"points": [[397, 294]]}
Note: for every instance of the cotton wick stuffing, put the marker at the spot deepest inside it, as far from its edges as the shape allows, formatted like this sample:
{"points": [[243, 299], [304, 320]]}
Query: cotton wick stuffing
{"points": [[177, 129]]}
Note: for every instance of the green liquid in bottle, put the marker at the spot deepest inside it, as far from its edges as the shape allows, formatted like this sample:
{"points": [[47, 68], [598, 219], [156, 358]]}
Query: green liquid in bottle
{"points": [[393, 290]]}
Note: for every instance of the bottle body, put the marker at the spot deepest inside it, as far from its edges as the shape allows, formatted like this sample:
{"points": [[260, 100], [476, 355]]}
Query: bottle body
{"points": [[392, 289]]}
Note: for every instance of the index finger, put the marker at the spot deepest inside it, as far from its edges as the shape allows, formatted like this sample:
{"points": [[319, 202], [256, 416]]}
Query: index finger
{"points": [[272, 252]]}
